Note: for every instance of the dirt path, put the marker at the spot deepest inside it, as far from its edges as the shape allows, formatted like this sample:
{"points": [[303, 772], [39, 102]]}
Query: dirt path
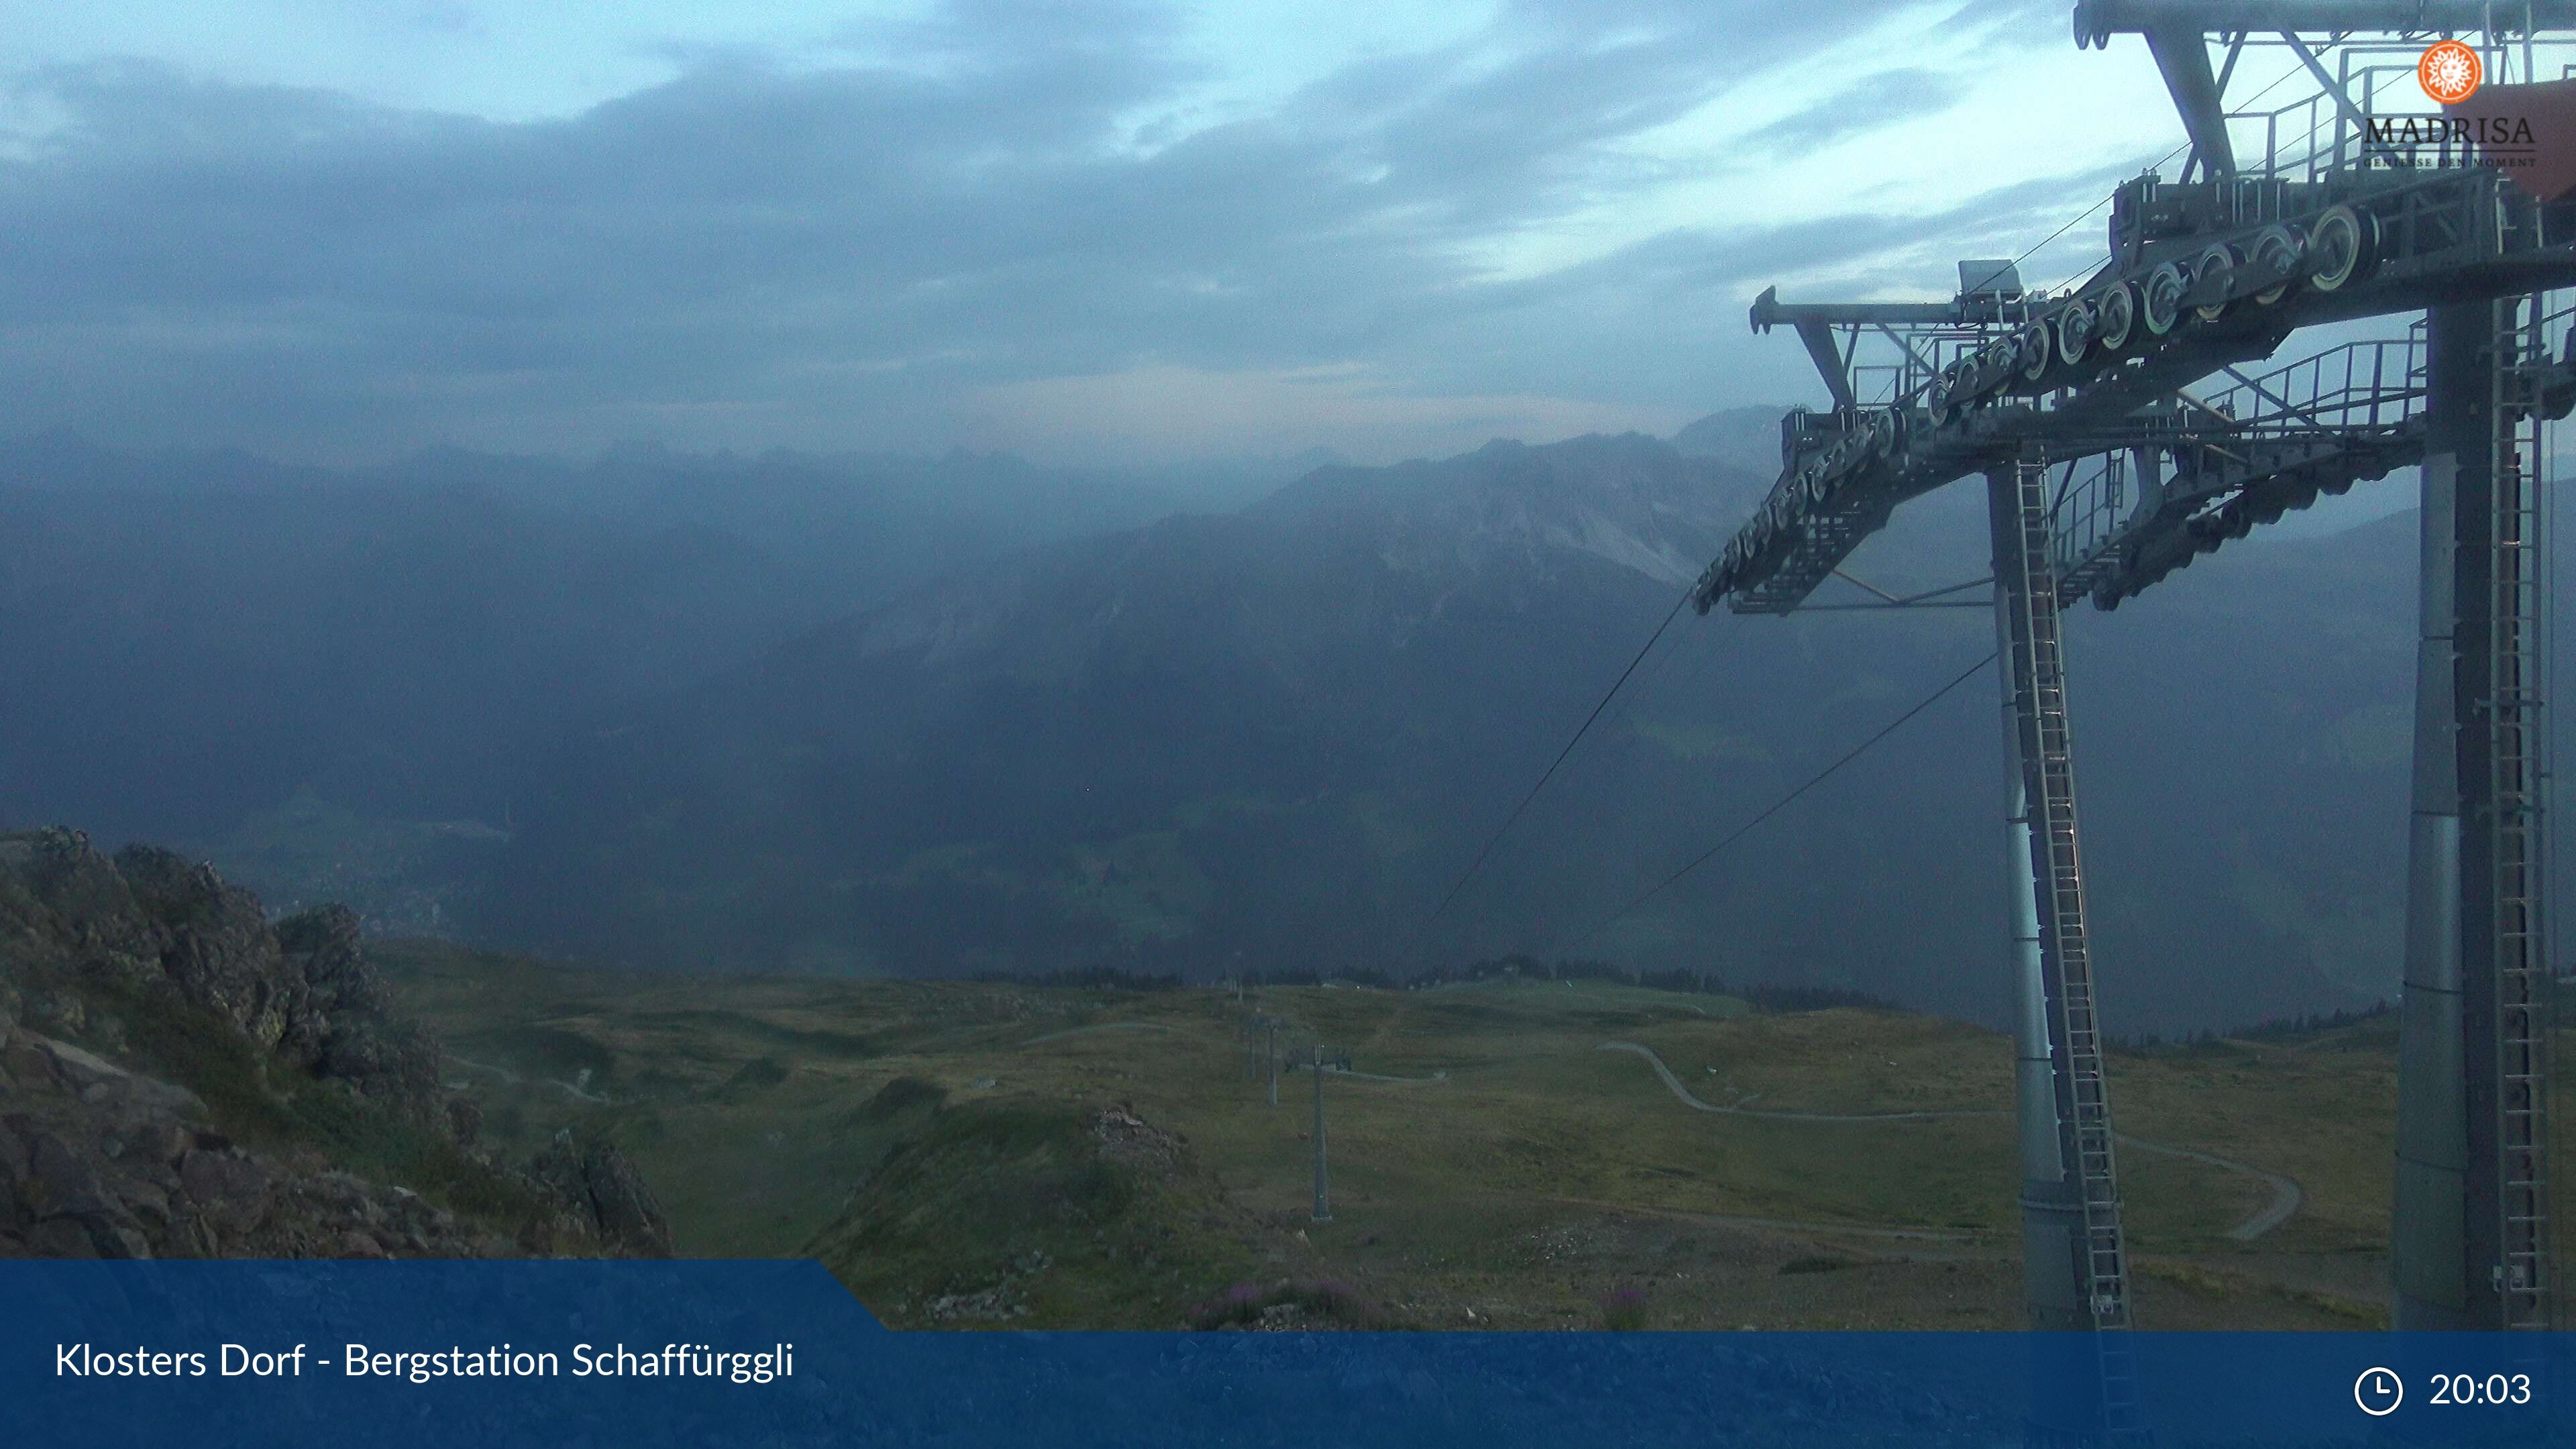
{"points": [[1158, 1026], [1790, 1225], [1684, 1093], [1097, 1026], [2287, 1196], [1379, 1077], [514, 1079]]}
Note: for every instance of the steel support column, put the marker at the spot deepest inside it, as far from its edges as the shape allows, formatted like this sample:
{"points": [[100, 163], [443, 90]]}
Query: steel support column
{"points": [[2468, 1239], [1323, 1205], [2074, 1262]]}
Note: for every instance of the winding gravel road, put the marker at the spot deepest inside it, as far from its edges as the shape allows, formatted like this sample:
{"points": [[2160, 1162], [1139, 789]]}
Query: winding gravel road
{"points": [[2287, 1196], [514, 1079]]}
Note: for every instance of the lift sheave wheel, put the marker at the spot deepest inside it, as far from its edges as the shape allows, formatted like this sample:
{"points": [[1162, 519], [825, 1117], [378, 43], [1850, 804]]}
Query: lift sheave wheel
{"points": [[2278, 249], [2115, 317], [1949, 394], [2341, 250], [2038, 350], [2216, 267], [1995, 364], [2160, 300], [2074, 332]]}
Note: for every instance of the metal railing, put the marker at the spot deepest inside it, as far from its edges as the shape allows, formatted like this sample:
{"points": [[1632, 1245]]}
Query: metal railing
{"points": [[2313, 134], [2375, 384], [2345, 396]]}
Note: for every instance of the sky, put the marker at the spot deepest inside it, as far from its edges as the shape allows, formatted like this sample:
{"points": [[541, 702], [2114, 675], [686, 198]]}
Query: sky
{"points": [[1107, 232]]}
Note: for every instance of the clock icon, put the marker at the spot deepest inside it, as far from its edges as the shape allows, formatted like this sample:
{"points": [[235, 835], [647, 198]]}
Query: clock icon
{"points": [[2378, 1391]]}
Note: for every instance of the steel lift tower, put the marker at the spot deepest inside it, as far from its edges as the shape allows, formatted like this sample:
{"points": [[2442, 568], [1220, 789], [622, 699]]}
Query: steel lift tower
{"points": [[2119, 438]]}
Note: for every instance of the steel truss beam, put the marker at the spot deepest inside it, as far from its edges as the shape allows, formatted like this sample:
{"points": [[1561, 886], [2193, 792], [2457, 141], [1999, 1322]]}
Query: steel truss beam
{"points": [[2204, 276], [2424, 240], [2096, 21], [2263, 449]]}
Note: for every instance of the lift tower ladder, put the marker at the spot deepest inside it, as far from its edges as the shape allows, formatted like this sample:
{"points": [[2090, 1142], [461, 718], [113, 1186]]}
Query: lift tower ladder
{"points": [[2470, 1235], [2306, 214], [2517, 777], [2039, 666], [2070, 1178]]}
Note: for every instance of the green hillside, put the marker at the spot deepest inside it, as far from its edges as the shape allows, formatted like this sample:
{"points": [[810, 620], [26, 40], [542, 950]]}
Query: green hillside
{"points": [[1503, 1153]]}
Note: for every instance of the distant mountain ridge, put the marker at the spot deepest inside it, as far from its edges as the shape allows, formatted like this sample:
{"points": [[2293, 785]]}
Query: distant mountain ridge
{"points": [[1630, 500], [1272, 738], [1749, 438], [191, 637], [602, 711]]}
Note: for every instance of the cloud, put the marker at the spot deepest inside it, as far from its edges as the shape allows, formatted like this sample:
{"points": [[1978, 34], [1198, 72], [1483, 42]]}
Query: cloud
{"points": [[1889, 98], [1158, 414], [911, 252]]}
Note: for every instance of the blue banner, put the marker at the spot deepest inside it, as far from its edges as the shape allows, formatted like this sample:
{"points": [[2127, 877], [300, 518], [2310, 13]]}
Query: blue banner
{"points": [[449, 1354]]}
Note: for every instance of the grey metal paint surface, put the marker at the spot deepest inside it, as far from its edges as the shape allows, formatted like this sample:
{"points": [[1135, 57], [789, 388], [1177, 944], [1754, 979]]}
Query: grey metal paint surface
{"points": [[2445, 1249], [1323, 1205], [2055, 1286]]}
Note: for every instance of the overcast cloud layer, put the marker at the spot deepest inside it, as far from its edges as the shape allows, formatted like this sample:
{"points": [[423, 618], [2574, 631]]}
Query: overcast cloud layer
{"points": [[1088, 232]]}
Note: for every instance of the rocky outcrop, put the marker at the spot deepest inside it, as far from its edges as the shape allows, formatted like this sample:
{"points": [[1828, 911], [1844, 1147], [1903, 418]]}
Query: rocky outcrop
{"points": [[102, 1159], [62, 904], [100, 1162], [301, 990], [212, 942], [349, 1030], [609, 1197]]}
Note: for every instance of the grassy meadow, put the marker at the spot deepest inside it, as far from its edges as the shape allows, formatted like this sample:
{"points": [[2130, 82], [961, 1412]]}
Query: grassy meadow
{"points": [[967, 1153]]}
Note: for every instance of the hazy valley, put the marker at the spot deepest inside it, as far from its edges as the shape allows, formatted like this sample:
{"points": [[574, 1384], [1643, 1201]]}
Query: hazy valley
{"points": [[879, 717]]}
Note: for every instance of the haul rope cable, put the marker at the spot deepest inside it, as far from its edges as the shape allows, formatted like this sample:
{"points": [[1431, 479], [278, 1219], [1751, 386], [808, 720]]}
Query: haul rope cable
{"points": [[1784, 801], [1550, 773]]}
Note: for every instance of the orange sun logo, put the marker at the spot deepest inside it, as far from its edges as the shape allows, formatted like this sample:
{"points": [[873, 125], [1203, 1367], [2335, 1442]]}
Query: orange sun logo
{"points": [[2449, 72]]}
